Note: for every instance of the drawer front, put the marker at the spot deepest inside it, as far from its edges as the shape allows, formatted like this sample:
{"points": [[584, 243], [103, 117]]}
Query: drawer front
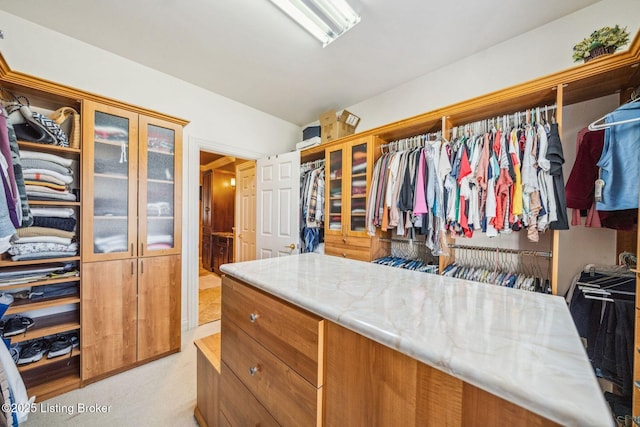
{"points": [[359, 242], [359, 254], [288, 397], [292, 334], [238, 406]]}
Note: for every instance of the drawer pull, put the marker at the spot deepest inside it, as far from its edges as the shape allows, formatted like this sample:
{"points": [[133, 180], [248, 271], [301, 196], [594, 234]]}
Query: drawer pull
{"points": [[344, 240], [344, 255], [254, 370], [253, 317]]}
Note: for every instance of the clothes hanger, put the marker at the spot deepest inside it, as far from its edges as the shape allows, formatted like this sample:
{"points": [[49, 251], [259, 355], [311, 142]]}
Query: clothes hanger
{"points": [[597, 126]]}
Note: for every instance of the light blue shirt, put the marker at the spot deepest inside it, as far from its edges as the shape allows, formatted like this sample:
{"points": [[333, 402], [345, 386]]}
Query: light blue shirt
{"points": [[620, 160]]}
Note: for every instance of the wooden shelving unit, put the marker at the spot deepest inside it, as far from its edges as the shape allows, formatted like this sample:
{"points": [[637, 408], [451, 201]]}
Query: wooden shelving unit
{"points": [[49, 325]]}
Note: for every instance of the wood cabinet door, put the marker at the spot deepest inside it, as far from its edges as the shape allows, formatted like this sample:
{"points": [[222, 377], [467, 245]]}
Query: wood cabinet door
{"points": [[159, 188], [335, 209], [108, 310], [109, 182], [158, 306], [357, 181]]}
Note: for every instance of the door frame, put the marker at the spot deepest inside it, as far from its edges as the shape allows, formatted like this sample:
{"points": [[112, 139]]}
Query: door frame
{"points": [[190, 215]]}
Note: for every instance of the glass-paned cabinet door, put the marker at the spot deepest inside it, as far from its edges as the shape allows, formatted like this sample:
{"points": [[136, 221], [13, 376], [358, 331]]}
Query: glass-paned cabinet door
{"points": [[160, 170], [358, 187], [109, 181], [333, 215]]}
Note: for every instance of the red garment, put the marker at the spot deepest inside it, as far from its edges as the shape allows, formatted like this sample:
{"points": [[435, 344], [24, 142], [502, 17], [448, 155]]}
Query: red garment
{"points": [[503, 185], [580, 186]]}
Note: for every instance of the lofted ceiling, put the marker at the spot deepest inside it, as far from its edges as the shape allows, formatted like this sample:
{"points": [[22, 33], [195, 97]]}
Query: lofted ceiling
{"points": [[248, 51]]}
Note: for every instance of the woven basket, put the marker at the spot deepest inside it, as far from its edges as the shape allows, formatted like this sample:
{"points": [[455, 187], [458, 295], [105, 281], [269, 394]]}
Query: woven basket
{"points": [[599, 51], [69, 120]]}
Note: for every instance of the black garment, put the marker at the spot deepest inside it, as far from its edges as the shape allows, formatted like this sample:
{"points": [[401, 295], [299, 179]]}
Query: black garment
{"points": [[66, 224], [556, 158]]}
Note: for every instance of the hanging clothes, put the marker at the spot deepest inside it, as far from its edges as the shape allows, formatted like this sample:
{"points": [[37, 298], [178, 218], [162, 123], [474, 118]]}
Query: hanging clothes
{"points": [[620, 161], [312, 186]]}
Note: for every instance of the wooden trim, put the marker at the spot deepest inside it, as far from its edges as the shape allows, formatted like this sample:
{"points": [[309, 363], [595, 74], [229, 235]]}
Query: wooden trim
{"points": [[501, 101], [23, 79]]}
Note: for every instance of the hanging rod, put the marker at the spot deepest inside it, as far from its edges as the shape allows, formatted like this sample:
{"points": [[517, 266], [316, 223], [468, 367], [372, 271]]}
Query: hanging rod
{"points": [[543, 254], [484, 123], [313, 163]]}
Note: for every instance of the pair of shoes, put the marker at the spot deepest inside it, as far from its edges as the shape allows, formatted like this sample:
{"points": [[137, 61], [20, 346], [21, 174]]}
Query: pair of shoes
{"points": [[15, 325], [33, 351], [62, 344]]}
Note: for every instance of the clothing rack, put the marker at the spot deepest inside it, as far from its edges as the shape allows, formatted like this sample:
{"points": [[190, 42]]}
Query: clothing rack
{"points": [[410, 142], [314, 164], [524, 252], [535, 115]]}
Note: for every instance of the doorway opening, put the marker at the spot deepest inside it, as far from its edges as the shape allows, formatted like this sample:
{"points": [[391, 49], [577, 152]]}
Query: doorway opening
{"points": [[217, 228]]}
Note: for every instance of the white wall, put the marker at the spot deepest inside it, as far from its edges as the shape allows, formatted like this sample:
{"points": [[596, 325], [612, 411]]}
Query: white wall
{"points": [[545, 50], [217, 124]]}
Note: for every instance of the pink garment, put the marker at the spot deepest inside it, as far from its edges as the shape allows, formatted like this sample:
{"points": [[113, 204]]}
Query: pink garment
{"points": [[420, 201]]}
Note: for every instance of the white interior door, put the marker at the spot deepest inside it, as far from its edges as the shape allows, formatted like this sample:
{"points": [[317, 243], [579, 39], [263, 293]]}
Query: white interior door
{"points": [[278, 193], [245, 241]]}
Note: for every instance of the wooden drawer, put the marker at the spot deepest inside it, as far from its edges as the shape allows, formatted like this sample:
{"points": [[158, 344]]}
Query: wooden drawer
{"points": [[359, 254], [288, 397], [360, 242], [292, 334], [238, 406]]}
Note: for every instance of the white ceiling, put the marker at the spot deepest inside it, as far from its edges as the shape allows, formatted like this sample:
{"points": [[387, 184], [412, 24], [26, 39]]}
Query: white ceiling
{"points": [[247, 50]]}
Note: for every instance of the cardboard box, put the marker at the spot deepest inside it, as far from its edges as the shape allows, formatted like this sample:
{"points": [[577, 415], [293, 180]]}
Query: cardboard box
{"points": [[334, 127]]}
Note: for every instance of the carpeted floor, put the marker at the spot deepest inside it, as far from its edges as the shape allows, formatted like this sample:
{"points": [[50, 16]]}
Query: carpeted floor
{"points": [[209, 306]]}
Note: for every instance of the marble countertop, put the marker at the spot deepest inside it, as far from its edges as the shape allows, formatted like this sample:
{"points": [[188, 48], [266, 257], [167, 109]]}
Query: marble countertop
{"points": [[519, 345]]}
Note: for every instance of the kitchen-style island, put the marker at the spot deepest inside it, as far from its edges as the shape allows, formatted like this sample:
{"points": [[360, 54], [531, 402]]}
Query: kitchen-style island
{"points": [[319, 340]]}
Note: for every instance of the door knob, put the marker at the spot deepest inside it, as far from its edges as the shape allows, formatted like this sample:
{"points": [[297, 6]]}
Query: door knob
{"points": [[291, 246]]}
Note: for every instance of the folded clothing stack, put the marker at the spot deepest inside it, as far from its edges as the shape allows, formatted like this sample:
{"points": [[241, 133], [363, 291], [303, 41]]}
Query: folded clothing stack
{"points": [[47, 176], [52, 235]]}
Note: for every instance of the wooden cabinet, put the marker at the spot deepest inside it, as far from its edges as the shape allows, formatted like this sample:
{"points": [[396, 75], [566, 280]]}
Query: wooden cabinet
{"points": [[406, 392], [218, 207], [158, 299], [132, 168], [205, 220], [130, 160], [132, 173], [221, 250], [131, 313], [109, 316], [45, 288], [272, 360], [348, 167]]}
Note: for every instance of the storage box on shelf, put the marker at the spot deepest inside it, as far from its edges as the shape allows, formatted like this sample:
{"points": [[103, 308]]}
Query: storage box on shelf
{"points": [[335, 127]]}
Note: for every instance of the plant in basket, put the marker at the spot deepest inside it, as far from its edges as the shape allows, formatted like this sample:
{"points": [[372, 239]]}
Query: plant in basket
{"points": [[603, 41]]}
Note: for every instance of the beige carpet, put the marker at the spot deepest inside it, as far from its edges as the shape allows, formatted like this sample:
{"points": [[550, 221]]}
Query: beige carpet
{"points": [[209, 306]]}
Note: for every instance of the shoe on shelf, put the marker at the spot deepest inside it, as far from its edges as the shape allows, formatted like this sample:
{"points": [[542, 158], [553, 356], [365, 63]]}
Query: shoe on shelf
{"points": [[15, 325], [6, 298], [33, 351], [14, 351], [62, 344]]}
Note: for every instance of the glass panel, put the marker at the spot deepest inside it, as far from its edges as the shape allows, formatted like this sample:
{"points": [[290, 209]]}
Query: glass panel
{"points": [[111, 170], [358, 186], [160, 187], [335, 190]]}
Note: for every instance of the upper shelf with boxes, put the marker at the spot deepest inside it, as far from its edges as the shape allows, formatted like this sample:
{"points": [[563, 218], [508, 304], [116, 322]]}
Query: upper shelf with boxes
{"points": [[513, 123]]}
